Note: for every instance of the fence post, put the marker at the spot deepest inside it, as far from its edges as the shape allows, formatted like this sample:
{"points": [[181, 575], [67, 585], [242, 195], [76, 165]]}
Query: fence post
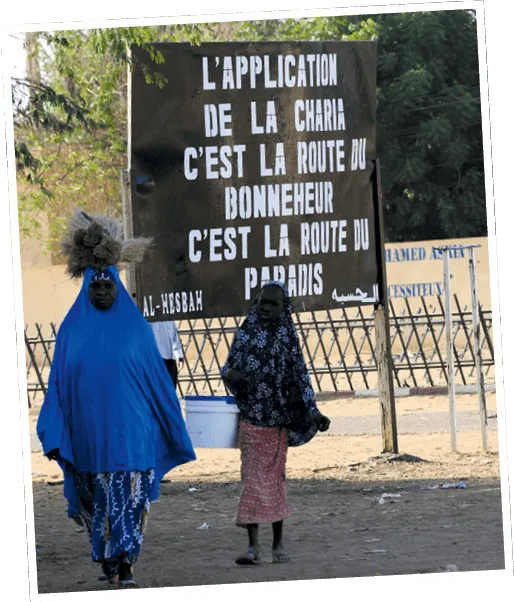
{"points": [[382, 332], [477, 350], [128, 228], [385, 381], [449, 348]]}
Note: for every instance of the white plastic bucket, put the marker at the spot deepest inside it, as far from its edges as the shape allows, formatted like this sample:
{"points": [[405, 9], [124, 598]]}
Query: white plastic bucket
{"points": [[212, 421]]}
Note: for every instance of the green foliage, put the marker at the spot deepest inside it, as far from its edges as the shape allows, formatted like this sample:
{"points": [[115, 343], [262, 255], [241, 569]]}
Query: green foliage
{"points": [[71, 128], [313, 29], [429, 126]]}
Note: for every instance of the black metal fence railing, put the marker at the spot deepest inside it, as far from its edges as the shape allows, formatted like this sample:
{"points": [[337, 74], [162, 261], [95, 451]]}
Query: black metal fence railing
{"points": [[339, 348]]}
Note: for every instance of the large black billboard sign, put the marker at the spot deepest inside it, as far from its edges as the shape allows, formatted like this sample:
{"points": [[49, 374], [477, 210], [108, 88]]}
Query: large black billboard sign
{"points": [[254, 163]]}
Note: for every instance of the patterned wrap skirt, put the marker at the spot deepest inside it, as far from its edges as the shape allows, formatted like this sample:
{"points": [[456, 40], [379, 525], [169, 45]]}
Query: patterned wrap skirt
{"points": [[263, 474], [114, 509]]}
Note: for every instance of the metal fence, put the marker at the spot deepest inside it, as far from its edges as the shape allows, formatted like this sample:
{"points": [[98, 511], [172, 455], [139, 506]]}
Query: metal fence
{"points": [[339, 347]]}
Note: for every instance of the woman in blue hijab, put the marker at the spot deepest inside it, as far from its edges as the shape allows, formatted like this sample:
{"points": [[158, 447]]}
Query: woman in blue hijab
{"points": [[111, 417]]}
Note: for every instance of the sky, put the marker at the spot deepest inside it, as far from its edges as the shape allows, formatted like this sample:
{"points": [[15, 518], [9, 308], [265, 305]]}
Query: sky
{"points": [[17, 53]]}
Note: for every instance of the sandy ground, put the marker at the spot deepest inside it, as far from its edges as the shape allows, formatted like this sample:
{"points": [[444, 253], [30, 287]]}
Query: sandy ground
{"points": [[339, 527]]}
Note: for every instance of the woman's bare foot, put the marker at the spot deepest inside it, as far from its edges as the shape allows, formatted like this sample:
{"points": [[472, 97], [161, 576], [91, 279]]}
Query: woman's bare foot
{"points": [[253, 556], [127, 584], [279, 556]]}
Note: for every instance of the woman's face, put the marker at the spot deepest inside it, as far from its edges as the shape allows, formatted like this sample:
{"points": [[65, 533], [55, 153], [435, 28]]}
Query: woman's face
{"points": [[271, 303], [102, 293]]}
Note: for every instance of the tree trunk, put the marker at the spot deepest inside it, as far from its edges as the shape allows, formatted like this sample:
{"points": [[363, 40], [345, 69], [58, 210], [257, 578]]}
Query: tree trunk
{"points": [[32, 63]]}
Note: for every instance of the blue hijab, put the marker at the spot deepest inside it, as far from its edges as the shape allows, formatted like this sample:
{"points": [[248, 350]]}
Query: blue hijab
{"points": [[111, 404], [280, 392]]}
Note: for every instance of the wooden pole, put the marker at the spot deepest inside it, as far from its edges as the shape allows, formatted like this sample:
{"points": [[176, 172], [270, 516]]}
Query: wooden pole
{"points": [[449, 348], [31, 58], [382, 332], [128, 229], [126, 183], [385, 384], [477, 350]]}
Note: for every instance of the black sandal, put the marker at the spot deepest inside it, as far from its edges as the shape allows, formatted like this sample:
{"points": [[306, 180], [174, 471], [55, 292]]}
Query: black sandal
{"points": [[248, 559], [110, 571]]}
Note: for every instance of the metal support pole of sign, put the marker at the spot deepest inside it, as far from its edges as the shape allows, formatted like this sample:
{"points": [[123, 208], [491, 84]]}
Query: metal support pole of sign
{"points": [[383, 336], [477, 349], [449, 348], [128, 229]]}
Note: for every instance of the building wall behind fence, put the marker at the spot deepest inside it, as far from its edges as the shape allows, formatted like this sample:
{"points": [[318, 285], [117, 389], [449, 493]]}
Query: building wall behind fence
{"points": [[413, 270], [416, 269]]}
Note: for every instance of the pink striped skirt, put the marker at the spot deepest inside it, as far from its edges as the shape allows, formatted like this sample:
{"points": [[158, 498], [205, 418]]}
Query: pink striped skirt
{"points": [[263, 474]]}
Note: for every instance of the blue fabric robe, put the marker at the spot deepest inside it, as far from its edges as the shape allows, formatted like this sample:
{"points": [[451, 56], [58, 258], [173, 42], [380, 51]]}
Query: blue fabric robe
{"points": [[111, 405]]}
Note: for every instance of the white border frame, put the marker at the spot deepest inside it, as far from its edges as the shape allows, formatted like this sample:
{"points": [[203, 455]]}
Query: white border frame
{"points": [[329, 584]]}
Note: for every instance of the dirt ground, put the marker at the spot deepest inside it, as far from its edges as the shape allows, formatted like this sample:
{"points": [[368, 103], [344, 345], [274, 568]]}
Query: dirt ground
{"points": [[339, 528]]}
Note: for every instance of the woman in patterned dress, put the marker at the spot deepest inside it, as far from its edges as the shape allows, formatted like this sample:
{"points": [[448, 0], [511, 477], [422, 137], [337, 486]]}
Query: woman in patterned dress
{"points": [[266, 372], [111, 417]]}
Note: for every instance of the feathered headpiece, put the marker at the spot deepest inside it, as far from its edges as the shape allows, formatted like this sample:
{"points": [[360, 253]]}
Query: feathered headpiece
{"points": [[96, 241]]}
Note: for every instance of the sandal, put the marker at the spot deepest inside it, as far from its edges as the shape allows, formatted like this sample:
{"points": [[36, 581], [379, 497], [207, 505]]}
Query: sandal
{"points": [[248, 559], [110, 571], [280, 558]]}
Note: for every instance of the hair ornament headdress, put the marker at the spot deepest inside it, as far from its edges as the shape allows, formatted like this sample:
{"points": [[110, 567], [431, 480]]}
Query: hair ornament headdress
{"points": [[96, 241]]}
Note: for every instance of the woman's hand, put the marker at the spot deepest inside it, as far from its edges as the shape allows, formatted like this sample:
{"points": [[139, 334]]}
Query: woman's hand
{"points": [[53, 454], [236, 378], [323, 422]]}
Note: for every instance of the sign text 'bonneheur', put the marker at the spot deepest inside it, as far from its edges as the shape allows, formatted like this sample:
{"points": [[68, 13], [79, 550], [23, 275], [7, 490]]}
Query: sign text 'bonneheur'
{"points": [[260, 156]]}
